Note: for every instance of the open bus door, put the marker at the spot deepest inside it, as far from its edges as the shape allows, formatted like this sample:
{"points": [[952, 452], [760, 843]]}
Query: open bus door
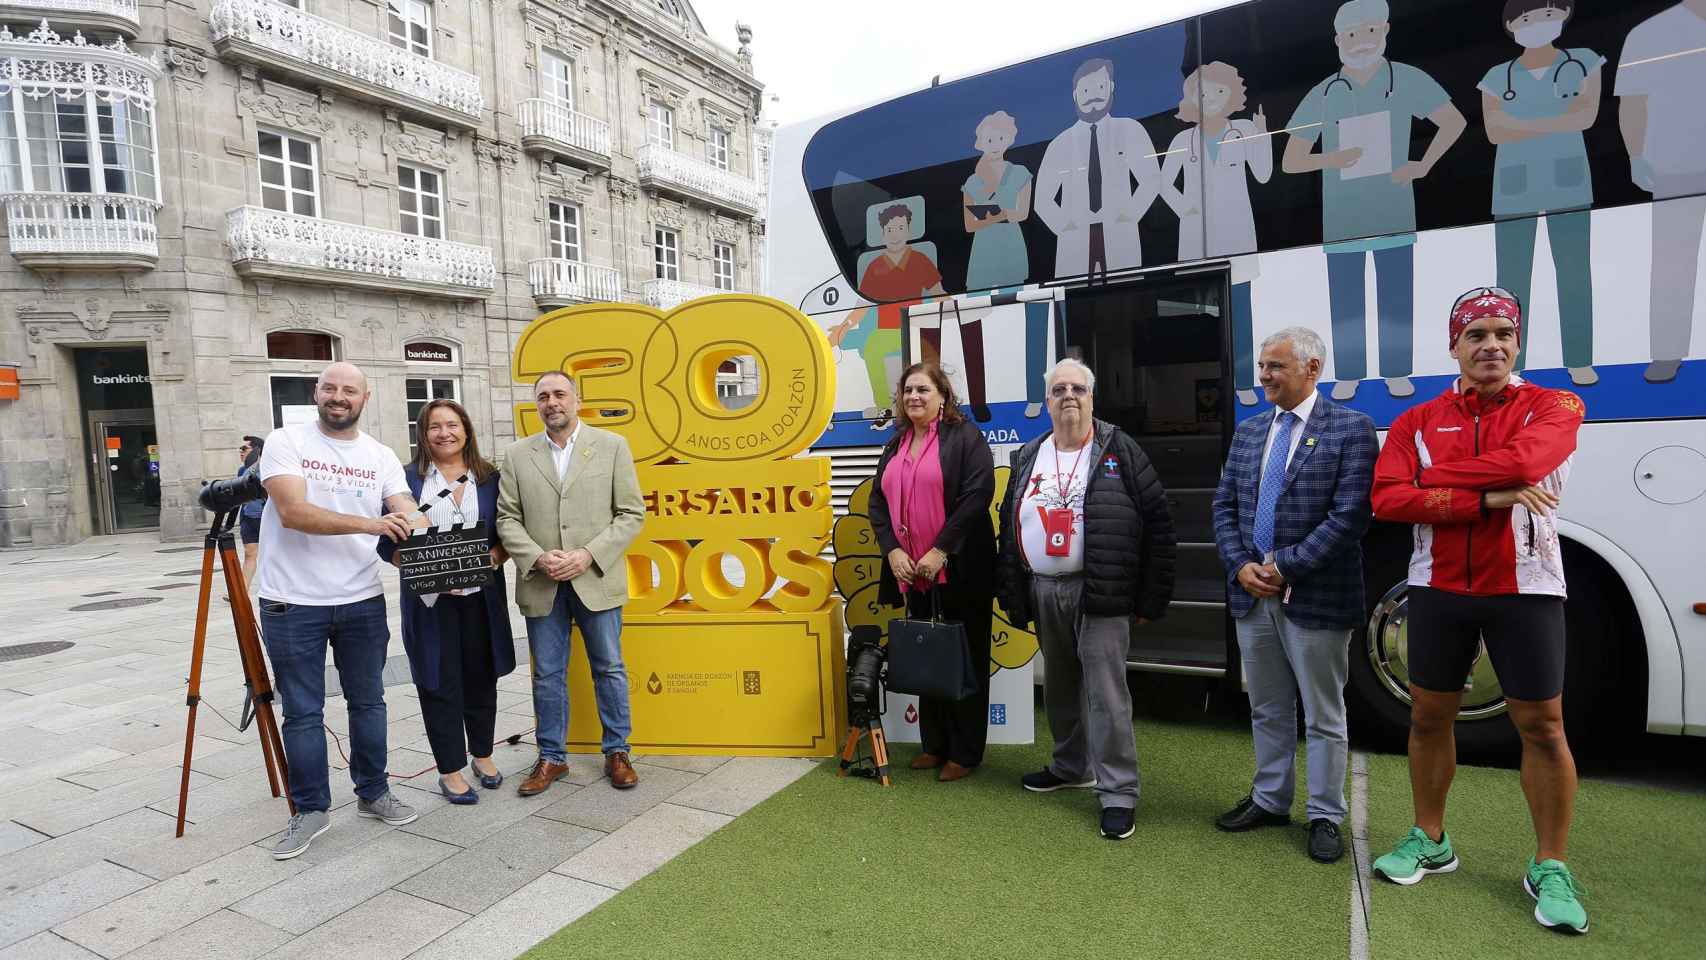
{"points": [[1159, 347]]}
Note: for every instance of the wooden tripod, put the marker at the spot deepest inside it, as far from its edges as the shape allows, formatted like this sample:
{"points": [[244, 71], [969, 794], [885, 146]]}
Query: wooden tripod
{"points": [[255, 679], [879, 750]]}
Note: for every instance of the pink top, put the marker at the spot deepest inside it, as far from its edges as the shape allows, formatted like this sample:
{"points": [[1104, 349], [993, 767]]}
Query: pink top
{"points": [[913, 486]]}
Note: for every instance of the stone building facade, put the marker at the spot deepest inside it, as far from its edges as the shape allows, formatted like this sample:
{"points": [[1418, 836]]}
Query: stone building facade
{"points": [[207, 200]]}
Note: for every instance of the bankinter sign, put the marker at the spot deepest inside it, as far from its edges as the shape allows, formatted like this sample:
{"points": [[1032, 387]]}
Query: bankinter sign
{"points": [[718, 483]]}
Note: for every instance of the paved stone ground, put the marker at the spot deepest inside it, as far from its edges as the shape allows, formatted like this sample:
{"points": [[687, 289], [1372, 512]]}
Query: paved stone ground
{"points": [[91, 748]]}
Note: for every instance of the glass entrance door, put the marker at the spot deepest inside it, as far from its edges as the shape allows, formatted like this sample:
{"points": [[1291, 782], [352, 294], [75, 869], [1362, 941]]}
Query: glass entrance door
{"points": [[1159, 351], [126, 468]]}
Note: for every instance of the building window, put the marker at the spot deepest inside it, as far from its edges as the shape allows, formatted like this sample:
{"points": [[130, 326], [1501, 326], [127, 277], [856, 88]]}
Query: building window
{"points": [[301, 345], [410, 25], [76, 143], [293, 400], [557, 79], [564, 237], [717, 148], [292, 4], [723, 265], [671, 7], [420, 202], [660, 126], [420, 391], [666, 253], [290, 174]]}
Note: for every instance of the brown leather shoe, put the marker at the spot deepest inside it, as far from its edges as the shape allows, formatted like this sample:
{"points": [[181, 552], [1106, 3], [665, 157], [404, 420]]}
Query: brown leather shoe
{"points": [[620, 771], [954, 771], [543, 774], [926, 761]]}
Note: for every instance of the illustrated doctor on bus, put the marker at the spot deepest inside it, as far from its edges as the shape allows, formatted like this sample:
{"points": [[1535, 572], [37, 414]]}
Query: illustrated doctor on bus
{"points": [[1361, 117]]}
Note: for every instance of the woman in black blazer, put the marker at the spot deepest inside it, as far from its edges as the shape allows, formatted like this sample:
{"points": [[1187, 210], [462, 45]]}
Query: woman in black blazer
{"points": [[461, 644], [930, 511]]}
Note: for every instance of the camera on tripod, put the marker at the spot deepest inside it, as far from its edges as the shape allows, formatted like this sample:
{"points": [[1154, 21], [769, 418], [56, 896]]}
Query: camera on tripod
{"points": [[866, 658], [223, 496]]}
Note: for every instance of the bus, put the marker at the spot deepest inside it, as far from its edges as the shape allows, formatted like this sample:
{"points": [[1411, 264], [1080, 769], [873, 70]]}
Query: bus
{"points": [[1156, 203]]}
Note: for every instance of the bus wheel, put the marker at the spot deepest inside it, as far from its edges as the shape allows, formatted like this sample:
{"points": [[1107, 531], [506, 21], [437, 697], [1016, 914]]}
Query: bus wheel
{"points": [[1379, 693]]}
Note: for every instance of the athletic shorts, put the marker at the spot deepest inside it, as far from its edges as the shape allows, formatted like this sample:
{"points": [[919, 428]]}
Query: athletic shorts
{"points": [[1524, 635], [250, 527]]}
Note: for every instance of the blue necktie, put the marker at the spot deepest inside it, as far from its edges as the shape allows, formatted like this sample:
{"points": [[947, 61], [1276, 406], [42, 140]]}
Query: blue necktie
{"points": [[1273, 478]]}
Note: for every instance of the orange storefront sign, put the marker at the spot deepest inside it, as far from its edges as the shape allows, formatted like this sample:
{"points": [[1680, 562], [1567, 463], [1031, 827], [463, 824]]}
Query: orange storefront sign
{"points": [[8, 383]]}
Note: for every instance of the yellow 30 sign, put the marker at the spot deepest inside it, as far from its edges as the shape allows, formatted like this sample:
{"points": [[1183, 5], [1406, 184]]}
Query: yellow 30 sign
{"points": [[718, 482]]}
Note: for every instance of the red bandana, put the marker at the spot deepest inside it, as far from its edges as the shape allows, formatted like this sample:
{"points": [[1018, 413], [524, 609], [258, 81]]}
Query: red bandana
{"points": [[1485, 305]]}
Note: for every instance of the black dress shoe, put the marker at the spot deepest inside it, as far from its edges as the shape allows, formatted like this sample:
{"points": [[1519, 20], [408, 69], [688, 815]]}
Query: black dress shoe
{"points": [[1325, 844], [1247, 815]]}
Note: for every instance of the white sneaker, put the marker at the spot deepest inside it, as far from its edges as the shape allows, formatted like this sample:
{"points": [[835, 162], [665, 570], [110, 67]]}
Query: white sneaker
{"points": [[1400, 387], [1345, 389], [1584, 376]]}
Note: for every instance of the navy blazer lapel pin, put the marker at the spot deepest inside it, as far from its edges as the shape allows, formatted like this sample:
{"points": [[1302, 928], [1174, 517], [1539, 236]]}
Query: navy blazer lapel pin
{"points": [[1309, 441]]}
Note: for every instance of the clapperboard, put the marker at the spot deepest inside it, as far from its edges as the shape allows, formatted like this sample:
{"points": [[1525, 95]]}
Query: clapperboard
{"points": [[446, 557]]}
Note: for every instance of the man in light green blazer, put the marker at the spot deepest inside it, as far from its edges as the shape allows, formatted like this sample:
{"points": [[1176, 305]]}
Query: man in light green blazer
{"points": [[569, 505]]}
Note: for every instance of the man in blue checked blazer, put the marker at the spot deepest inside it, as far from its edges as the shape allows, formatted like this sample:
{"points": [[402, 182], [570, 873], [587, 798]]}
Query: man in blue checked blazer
{"points": [[1289, 517]]}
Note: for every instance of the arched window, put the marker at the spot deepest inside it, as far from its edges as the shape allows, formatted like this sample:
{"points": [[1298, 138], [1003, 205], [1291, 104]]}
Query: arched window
{"points": [[301, 345], [671, 7], [75, 117]]}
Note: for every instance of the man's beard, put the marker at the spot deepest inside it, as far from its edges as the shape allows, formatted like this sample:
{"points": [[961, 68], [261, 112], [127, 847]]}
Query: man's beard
{"points": [[348, 420], [1093, 114]]}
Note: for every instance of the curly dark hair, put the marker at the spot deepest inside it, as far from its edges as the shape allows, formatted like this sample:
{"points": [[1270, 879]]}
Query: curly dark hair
{"points": [[898, 211], [950, 403]]}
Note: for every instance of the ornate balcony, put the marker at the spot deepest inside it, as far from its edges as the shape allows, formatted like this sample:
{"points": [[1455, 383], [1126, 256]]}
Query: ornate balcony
{"points": [[113, 16], [551, 128], [669, 294], [270, 245], [560, 283], [276, 37], [661, 168], [82, 230]]}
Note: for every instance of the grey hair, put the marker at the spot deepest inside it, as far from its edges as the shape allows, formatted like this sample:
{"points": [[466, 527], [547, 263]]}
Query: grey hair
{"points": [[1305, 343], [1066, 364]]}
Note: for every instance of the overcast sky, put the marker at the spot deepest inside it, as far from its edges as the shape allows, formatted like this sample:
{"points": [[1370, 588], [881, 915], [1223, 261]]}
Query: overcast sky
{"points": [[817, 58]]}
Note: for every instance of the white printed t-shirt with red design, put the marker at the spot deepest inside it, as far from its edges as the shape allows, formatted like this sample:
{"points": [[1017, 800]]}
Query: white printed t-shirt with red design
{"points": [[1057, 482], [345, 476]]}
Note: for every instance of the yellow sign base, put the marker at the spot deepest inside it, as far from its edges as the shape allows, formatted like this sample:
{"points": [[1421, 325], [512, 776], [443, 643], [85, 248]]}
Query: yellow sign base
{"points": [[759, 683]]}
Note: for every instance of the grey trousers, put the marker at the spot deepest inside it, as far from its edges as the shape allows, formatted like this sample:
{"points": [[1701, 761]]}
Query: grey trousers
{"points": [[1676, 259], [1282, 660], [1084, 690]]}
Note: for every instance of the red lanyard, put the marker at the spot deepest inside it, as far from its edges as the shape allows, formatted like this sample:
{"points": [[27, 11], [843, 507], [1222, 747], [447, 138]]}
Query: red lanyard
{"points": [[1065, 488], [912, 481]]}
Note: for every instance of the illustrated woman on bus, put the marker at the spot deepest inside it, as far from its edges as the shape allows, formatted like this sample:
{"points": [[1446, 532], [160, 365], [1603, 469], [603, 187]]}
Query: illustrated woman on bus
{"points": [[996, 198], [1361, 116], [1535, 107], [1214, 156]]}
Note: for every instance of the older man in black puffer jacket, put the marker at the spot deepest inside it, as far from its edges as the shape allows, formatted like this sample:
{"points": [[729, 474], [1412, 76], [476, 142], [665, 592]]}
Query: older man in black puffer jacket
{"points": [[1086, 544]]}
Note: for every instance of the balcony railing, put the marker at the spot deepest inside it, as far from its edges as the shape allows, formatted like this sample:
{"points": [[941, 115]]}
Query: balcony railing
{"points": [[558, 283], [117, 15], [275, 245], [273, 35], [553, 128], [70, 230], [669, 294], [665, 169]]}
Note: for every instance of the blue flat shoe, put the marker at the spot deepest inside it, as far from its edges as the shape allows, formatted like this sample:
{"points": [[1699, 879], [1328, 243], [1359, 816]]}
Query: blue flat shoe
{"points": [[492, 782], [460, 799]]}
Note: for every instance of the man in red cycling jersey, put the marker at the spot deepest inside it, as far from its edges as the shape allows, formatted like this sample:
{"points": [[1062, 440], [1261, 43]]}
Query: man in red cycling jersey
{"points": [[1479, 471]]}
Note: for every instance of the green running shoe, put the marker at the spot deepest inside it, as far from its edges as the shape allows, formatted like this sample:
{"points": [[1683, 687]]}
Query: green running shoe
{"points": [[1415, 857], [1555, 891]]}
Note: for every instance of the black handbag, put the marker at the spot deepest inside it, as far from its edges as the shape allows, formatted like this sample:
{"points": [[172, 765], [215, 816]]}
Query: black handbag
{"points": [[930, 658]]}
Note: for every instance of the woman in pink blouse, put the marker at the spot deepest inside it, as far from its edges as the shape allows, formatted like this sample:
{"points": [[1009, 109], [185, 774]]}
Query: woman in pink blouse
{"points": [[930, 511]]}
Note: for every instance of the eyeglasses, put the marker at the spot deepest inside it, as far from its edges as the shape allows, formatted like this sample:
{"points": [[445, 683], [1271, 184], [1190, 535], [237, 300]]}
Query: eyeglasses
{"points": [[1063, 389], [1483, 292]]}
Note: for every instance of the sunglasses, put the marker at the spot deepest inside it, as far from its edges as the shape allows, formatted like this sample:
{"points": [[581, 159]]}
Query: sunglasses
{"points": [[1485, 292]]}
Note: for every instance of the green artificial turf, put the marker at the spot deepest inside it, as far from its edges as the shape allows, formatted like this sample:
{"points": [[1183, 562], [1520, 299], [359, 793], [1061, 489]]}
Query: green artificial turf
{"points": [[1640, 853], [839, 868]]}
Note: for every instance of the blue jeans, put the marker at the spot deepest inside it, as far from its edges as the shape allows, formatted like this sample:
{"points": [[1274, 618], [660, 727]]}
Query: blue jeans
{"points": [[296, 636], [1036, 350], [1394, 297], [548, 640], [1571, 236]]}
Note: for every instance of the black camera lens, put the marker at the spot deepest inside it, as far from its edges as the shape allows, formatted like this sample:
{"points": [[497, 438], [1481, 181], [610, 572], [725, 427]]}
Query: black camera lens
{"points": [[221, 496]]}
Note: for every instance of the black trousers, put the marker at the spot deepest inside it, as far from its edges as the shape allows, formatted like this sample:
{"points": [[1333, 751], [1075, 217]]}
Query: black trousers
{"points": [[958, 729], [461, 713]]}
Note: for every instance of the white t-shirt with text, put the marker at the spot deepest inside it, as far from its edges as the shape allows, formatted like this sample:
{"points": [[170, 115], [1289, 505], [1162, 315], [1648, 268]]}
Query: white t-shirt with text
{"points": [[345, 476], [1057, 481]]}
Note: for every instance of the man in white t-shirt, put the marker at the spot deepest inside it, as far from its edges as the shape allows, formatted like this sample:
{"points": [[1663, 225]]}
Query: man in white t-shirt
{"points": [[1659, 78], [332, 491]]}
